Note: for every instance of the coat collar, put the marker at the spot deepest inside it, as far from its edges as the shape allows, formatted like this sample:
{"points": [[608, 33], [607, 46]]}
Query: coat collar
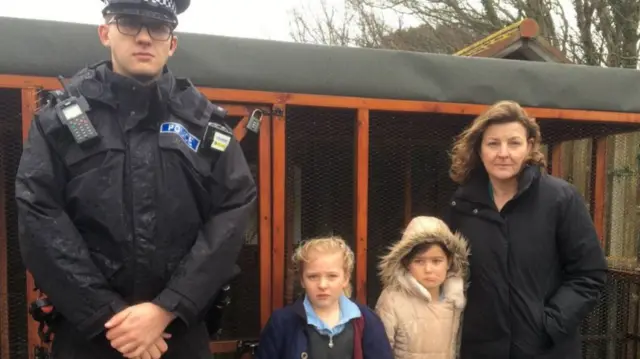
{"points": [[99, 83], [476, 190]]}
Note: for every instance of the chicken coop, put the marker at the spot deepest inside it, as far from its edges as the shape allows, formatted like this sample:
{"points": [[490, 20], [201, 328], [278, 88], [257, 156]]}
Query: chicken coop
{"points": [[354, 142]]}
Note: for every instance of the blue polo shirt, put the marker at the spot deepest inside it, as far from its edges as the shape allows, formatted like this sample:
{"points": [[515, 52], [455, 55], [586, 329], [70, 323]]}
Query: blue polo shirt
{"points": [[348, 311]]}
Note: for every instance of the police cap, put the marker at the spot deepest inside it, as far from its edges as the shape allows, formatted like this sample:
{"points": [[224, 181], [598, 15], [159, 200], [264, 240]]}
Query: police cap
{"points": [[164, 10]]}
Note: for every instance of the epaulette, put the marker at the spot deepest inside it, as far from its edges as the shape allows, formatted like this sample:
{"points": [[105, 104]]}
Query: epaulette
{"points": [[221, 126], [219, 112]]}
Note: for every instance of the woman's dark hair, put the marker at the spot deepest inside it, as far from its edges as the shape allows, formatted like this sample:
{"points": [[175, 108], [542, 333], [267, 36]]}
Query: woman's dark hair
{"points": [[423, 247]]}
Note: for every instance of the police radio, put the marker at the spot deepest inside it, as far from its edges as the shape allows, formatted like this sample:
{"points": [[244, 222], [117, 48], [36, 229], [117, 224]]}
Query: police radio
{"points": [[72, 113]]}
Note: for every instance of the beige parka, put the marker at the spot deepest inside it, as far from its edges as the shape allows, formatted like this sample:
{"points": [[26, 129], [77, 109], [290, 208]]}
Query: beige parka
{"points": [[417, 326]]}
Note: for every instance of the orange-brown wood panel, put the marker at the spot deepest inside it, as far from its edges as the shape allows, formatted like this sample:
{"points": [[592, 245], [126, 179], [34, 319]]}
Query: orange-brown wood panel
{"points": [[235, 109], [19, 82], [4, 278], [235, 95], [600, 187], [227, 346], [361, 202], [556, 159], [278, 139], [223, 346], [29, 105], [265, 205], [412, 106], [241, 128]]}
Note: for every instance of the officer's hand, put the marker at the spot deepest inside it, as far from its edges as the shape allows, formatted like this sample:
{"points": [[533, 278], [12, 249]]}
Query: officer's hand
{"points": [[156, 349], [135, 329]]}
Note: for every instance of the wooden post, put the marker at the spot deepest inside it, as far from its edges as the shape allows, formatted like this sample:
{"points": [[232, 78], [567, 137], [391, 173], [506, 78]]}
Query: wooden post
{"points": [[29, 105], [264, 215], [361, 202], [556, 159], [4, 274], [599, 188], [279, 200]]}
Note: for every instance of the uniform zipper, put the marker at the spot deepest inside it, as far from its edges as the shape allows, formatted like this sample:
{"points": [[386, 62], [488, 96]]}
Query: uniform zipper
{"points": [[129, 207]]}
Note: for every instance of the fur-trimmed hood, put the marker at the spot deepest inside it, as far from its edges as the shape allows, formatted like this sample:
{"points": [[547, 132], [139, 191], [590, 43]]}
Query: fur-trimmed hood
{"points": [[421, 230]]}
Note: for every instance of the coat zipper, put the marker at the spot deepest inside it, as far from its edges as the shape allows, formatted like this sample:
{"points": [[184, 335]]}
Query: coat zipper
{"points": [[129, 208]]}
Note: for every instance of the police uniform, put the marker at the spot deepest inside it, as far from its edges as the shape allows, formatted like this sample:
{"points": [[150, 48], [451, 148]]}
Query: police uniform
{"points": [[153, 209]]}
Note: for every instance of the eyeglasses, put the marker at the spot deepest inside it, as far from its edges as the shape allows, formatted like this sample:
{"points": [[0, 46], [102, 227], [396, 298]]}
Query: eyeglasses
{"points": [[131, 26]]}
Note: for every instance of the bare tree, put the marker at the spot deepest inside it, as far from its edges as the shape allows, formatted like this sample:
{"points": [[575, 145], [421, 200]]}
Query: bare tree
{"points": [[591, 32]]}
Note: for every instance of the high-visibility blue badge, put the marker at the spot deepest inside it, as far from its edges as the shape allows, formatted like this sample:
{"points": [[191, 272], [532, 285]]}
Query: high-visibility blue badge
{"points": [[190, 140]]}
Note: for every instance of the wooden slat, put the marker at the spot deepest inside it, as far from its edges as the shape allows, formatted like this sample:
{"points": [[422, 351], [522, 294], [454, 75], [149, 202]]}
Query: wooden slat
{"points": [[241, 129], [20, 82], [4, 273], [600, 187], [411, 106], [236, 110], [556, 159], [266, 97], [361, 202], [264, 213], [279, 199], [29, 103], [223, 346]]}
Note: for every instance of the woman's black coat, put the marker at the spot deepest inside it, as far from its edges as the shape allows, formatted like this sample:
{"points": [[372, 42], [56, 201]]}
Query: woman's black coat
{"points": [[536, 268]]}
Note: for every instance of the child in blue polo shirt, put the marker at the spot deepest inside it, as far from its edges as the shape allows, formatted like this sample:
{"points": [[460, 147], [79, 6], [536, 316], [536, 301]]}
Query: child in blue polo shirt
{"points": [[325, 323]]}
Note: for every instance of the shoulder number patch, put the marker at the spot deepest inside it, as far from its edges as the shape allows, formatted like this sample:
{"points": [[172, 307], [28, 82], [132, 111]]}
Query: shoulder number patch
{"points": [[220, 141], [190, 140]]}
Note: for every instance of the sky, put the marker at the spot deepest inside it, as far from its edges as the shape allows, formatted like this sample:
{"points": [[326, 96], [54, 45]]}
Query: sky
{"points": [[262, 19]]}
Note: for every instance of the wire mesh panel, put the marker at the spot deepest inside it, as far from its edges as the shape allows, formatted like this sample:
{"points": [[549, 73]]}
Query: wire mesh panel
{"points": [[611, 330], [615, 325], [242, 318], [13, 293], [319, 179], [408, 176]]}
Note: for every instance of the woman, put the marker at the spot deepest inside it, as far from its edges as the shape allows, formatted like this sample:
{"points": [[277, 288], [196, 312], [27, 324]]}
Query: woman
{"points": [[423, 296], [536, 265]]}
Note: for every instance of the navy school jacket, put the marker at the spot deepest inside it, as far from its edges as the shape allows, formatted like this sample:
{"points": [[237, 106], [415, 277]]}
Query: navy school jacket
{"points": [[285, 335]]}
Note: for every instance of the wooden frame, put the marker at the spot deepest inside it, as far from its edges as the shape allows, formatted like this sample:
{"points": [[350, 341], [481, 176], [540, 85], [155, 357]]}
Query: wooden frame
{"points": [[4, 271], [266, 97], [29, 105], [361, 201], [272, 170], [278, 138], [599, 187]]}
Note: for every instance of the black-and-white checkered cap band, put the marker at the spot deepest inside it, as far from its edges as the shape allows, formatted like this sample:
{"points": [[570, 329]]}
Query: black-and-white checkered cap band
{"points": [[168, 4]]}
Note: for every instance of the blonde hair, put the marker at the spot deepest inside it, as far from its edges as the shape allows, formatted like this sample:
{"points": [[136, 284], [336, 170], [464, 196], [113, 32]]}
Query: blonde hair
{"points": [[465, 156], [325, 245]]}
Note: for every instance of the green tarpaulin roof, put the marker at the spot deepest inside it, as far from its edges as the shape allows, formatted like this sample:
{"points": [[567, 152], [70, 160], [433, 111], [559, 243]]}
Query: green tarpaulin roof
{"points": [[48, 48]]}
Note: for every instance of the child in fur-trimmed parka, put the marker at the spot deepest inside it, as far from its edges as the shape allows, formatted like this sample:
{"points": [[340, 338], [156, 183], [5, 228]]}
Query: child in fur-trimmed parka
{"points": [[423, 297]]}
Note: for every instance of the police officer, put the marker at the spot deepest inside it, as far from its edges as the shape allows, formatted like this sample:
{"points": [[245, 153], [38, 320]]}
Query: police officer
{"points": [[133, 197]]}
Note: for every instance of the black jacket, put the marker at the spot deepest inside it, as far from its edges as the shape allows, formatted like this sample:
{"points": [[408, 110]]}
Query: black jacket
{"points": [[138, 215], [536, 268]]}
